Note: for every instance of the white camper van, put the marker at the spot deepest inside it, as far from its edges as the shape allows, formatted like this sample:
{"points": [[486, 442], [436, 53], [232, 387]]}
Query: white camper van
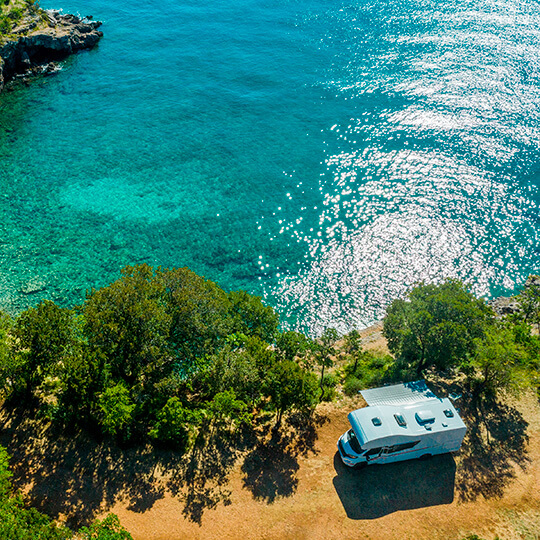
{"points": [[403, 421]]}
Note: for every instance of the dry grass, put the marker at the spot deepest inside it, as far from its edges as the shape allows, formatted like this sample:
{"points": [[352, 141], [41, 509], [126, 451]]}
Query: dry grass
{"points": [[261, 485]]}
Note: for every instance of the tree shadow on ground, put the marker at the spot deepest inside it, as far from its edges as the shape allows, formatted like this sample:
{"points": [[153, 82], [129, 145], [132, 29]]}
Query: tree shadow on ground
{"points": [[78, 477], [270, 469], [379, 490], [494, 447]]}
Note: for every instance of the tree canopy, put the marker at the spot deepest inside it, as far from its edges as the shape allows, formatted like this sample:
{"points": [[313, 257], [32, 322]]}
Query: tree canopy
{"points": [[436, 324]]}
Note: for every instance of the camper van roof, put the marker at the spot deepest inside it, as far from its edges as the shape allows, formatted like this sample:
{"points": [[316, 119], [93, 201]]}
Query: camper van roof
{"points": [[409, 419], [398, 394]]}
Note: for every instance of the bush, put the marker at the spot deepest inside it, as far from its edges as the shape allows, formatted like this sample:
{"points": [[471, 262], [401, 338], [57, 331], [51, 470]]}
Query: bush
{"points": [[226, 406], [328, 385], [115, 410], [108, 529], [174, 424], [352, 386]]}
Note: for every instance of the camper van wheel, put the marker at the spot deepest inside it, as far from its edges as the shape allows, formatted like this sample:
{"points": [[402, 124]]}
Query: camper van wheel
{"points": [[425, 457]]}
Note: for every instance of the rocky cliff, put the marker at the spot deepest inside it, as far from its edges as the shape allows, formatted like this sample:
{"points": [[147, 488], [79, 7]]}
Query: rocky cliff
{"points": [[42, 38]]}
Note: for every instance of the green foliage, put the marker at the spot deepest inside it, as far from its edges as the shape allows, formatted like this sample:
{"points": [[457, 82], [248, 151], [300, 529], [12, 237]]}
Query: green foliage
{"points": [[329, 384], [529, 301], [291, 345], [108, 529], [199, 310], [5, 25], [174, 424], [17, 522], [352, 386], [5, 327], [20, 523], [368, 370], [231, 369], [83, 377], [324, 351], [43, 338], [5, 473], [353, 346], [252, 317], [115, 410], [290, 387], [436, 324], [15, 14], [225, 405], [498, 365], [127, 322]]}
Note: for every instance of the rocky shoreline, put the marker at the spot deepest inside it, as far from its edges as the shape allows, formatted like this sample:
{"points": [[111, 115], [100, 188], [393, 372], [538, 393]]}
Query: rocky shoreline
{"points": [[42, 39]]}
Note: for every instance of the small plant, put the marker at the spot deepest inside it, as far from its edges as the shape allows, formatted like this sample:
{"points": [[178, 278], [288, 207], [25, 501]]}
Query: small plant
{"points": [[115, 409], [174, 424]]}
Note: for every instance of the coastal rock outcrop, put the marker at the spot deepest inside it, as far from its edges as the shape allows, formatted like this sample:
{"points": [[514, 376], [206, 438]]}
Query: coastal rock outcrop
{"points": [[33, 45], [508, 305]]}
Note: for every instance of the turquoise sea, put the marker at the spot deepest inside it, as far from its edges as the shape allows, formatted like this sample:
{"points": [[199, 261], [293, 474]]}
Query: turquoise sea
{"points": [[325, 155]]}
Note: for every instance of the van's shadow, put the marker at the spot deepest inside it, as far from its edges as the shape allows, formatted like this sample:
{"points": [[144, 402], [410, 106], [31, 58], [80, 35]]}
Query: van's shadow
{"points": [[379, 490]]}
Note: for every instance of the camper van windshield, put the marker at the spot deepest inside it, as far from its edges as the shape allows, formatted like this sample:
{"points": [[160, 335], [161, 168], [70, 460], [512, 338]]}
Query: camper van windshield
{"points": [[353, 441]]}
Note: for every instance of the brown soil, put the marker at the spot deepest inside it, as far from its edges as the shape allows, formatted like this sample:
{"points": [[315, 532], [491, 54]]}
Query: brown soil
{"points": [[443, 498], [264, 486]]}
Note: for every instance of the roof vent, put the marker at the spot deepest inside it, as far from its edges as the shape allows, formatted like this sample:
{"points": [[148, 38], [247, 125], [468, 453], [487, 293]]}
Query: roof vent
{"points": [[400, 419], [448, 413], [376, 421], [425, 417]]}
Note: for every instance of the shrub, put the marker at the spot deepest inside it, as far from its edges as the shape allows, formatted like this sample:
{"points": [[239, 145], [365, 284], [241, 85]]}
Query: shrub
{"points": [[225, 405], [115, 410], [108, 529], [328, 386], [352, 386], [174, 424]]}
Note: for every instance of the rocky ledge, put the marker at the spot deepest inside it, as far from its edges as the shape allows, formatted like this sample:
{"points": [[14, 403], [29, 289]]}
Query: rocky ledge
{"points": [[508, 305], [43, 39]]}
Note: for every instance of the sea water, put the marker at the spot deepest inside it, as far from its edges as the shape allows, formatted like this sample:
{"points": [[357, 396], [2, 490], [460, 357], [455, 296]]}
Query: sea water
{"points": [[326, 155]]}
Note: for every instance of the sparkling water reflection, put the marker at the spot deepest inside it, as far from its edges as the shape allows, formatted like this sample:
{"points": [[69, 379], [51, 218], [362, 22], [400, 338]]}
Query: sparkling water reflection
{"points": [[325, 156]]}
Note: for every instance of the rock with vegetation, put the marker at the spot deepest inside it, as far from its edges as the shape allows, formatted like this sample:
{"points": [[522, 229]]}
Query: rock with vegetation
{"points": [[31, 38]]}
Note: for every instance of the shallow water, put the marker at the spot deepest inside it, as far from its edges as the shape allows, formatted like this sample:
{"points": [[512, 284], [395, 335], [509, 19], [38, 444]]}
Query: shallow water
{"points": [[326, 156]]}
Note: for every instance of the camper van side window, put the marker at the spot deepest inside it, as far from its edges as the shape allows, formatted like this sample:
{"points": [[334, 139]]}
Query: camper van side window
{"points": [[401, 447], [373, 452]]}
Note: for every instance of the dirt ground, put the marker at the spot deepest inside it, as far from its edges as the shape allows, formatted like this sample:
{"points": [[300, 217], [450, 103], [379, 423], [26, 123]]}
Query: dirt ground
{"points": [[289, 486], [433, 499]]}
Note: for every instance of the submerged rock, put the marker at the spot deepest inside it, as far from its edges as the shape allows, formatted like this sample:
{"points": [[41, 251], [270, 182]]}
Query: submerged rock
{"points": [[42, 39]]}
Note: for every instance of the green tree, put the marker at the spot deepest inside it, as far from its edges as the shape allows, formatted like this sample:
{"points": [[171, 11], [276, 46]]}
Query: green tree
{"points": [[290, 387], [353, 347], [129, 324], [498, 365], [226, 406], [291, 345], [252, 317], [115, 410], [436, 324], [324, 351], [199, 312], [83, 377], [529, 301], [43, 339], [174, 424]]}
